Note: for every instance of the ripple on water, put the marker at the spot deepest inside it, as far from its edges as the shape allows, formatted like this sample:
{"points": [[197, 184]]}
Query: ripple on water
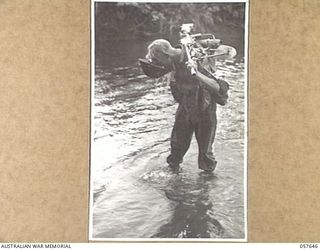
{"points": [[135, 194]]}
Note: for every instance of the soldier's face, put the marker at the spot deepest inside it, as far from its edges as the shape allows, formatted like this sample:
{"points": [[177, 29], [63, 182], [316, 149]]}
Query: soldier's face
{"points": [[164, 59]]}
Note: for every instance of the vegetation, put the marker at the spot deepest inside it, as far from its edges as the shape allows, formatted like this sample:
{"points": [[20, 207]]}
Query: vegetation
{"points": [[146, 21]]}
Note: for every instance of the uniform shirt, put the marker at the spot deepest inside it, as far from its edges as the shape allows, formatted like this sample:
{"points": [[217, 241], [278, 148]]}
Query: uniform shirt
{"points": [[187, 91]]}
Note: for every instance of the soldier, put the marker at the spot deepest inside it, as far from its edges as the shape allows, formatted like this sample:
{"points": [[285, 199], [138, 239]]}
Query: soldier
{"points": [[197, 95]]}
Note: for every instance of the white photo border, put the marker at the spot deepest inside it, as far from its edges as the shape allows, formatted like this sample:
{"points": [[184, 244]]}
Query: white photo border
{"points": [[245, 164]]}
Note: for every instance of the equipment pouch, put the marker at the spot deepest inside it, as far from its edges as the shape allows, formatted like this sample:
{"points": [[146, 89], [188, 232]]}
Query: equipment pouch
{"points": [[222, 97]]}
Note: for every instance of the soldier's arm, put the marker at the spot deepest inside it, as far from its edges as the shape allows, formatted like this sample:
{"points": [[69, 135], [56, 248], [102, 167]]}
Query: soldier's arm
{"points": [[219, 88], [208, 83]]}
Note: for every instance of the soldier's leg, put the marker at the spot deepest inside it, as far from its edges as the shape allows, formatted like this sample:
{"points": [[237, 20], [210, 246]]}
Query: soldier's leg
{"points": [[205, 131], [180, 137]]}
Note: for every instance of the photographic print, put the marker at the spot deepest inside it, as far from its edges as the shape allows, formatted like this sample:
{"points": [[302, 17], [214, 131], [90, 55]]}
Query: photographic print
{"points": [[169, 121]]}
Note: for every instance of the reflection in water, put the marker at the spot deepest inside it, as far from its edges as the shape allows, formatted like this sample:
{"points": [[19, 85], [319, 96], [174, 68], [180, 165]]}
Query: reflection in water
{"points": [[135, 194], [190, 217]]}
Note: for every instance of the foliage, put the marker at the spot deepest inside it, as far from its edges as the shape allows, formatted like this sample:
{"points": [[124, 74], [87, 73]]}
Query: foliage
{"points": [[124, 21]]}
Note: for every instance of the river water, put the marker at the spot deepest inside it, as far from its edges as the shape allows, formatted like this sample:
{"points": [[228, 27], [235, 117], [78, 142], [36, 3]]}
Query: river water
{"points": [[134, 193]]}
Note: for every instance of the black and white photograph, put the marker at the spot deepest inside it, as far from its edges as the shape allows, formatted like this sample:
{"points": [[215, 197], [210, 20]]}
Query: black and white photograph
{"points": [[168, 148]]}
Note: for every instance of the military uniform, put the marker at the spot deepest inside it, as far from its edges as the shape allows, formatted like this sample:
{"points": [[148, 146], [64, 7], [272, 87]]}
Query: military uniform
{"points": [[196, 113]]}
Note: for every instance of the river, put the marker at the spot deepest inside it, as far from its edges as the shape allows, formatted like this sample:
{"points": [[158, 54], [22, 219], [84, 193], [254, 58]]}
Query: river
{"points": [[134, 193]]}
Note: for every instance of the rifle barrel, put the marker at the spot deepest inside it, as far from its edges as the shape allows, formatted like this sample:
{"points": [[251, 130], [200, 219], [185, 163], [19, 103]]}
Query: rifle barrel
{"points": [[209, 56]]}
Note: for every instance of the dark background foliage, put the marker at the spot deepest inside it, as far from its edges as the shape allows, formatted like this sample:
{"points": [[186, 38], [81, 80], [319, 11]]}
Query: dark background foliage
{"points": [[147, 21]]}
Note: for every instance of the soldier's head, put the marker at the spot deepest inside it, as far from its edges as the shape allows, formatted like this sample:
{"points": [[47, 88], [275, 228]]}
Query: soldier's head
{"points": [[161, 52]]}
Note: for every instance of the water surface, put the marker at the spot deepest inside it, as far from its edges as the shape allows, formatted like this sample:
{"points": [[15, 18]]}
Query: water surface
{"points": [[135, 195]]}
